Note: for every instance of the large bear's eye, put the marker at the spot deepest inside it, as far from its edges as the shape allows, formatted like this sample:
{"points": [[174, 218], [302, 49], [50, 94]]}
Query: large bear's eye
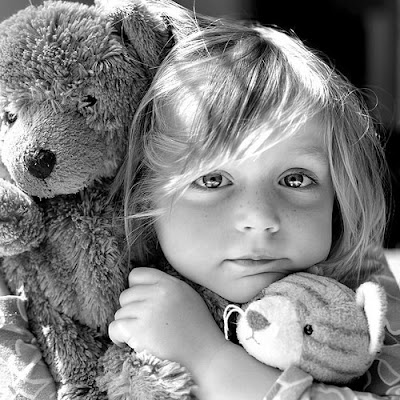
{"points": [[89, 101], [9, 118]]}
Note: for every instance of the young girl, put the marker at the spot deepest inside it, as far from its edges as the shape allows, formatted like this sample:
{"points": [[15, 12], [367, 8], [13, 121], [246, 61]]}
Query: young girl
{"points": [[250, 159]]}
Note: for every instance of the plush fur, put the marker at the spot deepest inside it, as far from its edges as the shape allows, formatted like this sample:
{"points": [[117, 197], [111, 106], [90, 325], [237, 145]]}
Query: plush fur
{"points": [[71, 77]]}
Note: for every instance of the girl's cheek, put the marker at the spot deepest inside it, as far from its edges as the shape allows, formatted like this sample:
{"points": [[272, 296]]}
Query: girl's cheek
{"points": [[318, 199]]}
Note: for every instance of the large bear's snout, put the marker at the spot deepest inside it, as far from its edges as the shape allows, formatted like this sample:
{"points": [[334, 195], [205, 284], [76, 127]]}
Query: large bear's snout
{"points": [[41, 163]]}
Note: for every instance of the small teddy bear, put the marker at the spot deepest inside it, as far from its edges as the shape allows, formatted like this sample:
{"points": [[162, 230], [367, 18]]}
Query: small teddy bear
{"points": [[71, 78], [314, 323]]}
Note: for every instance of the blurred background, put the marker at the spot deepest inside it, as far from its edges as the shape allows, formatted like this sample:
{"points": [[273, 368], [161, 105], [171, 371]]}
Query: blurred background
{"points": [[360, 37]]}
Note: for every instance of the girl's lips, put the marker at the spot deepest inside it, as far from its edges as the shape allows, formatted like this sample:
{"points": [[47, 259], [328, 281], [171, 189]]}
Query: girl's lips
{"points": [[252, 262]]}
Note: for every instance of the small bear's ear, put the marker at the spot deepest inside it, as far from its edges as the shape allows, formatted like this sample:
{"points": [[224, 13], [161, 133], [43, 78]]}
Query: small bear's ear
{"points": [[372, 298], [141, 26]]}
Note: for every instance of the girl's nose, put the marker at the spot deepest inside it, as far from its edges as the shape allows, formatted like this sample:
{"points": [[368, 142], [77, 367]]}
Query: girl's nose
{"points": [[258, 212]]}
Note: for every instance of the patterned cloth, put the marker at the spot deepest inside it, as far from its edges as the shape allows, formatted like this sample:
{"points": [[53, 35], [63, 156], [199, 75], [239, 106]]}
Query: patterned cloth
{"points": [[23, 374], [382, 381]]}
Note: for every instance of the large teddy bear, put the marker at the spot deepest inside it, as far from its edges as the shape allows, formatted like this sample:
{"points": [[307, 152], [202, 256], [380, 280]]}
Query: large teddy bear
{"points": [[71, 77]]}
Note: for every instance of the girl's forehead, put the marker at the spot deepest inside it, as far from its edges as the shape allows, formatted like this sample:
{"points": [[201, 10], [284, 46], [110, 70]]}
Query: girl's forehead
{"points": [[306, 142]]}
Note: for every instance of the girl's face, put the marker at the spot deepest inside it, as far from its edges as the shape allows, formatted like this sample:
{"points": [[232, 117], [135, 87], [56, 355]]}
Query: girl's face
{"points": [[248, 224]]}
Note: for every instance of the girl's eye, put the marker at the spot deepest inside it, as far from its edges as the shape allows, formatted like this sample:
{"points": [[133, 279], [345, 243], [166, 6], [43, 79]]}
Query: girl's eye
{"points": [[296, 180], [213, 180]]}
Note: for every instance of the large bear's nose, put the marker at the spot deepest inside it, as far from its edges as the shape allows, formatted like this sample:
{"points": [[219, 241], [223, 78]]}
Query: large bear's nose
{"points": [[41, 164]]}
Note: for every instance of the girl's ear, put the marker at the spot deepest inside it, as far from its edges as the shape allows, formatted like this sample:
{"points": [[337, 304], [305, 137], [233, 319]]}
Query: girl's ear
{"points": [[141, 26], [372, 298]]}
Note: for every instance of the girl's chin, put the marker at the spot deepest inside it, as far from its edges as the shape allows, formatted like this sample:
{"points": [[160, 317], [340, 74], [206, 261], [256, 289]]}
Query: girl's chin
{"points": [[247, 288]]}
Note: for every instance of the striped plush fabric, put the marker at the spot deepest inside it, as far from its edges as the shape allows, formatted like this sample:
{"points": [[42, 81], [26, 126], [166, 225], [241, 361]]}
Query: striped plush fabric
{"points": [[316, 324]]}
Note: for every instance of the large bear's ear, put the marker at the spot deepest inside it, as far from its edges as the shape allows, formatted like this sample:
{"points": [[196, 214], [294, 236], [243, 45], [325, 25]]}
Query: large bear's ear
{"points": [[372, 298], [151, 27], [142, 26]]}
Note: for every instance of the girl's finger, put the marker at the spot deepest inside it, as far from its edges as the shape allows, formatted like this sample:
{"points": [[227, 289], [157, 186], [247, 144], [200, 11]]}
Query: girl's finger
{"points": [[121, 331], [129, 311], [136, 293], [145, 276]]}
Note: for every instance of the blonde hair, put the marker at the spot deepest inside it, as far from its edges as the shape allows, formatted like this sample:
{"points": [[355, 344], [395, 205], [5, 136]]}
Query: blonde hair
{"points": [[244, 89]]}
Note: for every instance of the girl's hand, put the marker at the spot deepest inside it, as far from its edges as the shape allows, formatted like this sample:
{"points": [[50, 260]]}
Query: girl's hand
{"points": [[166, 317]]}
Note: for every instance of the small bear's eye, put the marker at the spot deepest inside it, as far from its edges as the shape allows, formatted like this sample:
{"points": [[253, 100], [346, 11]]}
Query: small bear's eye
{"points": [[9, 118], [308, 330], [89, 101]]}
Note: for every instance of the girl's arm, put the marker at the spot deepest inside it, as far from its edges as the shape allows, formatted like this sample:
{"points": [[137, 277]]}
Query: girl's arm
{"points": [[23, 374], [233, 374], [165, 316]]}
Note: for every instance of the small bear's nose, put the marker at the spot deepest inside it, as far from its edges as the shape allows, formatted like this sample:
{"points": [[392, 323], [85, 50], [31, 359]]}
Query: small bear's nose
{"points": [[41, 164], [256, 321]]}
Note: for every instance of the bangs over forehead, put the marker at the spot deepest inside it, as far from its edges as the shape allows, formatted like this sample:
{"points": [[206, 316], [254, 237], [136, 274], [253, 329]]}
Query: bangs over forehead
{"points": [[231, 96]]}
